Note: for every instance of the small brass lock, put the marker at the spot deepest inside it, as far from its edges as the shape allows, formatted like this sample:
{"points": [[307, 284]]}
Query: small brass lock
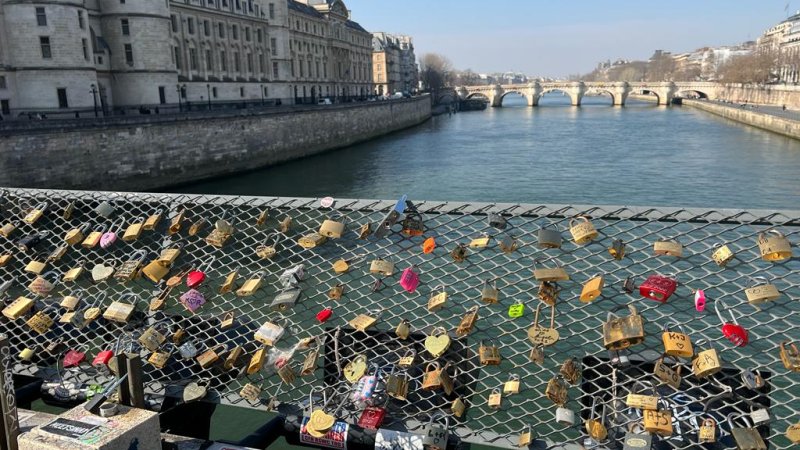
{"points": [[227, 320], [748, 437], [458, 407], [459, 253], [407, 360], [658, 422], [512, 385], [722, 255], [176, 222], [5, 258], [548, 292], [508, 244], [707, 432], [312, 240], [438, 299], [40, 322], [595, 426], [668, 247], [790, 356], [211, 356], [8, 229], [617, 249], [76, 235], [549, 274], [35, 214], [760, 291], [362, 322], [557, 390], [495, 399], [431, 378], [286, 374], [489, 292], [250, 392], [677, 344], [159, 359], [257, 361], [233, 358], [774, 246], [35, 267], [667, 374], [620, 333], [549, 237], [397, 385], [336, 291], [571, 370], [269, 248], [467, 322], [525, 437], [120, 311], [269, 333], [130, 269], [705, 363], [592, 289], [134, 230], [310, 362], [480, 242], [381, 267], [252, 285], [582, 230], [403, 329], [57, 253], [153, 220], [355, 368], [489, 353], [229, 283], [93, 238], [641, 401]]}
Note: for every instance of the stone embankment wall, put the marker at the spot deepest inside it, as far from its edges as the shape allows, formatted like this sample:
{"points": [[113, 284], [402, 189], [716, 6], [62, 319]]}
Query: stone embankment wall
{"points": [[786, 127], [778, 94], [152, 153]]}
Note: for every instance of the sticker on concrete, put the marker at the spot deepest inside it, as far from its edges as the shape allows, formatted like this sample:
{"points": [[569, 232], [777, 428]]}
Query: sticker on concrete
{"points": [[336, 437], [397, 440], [69, 428]]}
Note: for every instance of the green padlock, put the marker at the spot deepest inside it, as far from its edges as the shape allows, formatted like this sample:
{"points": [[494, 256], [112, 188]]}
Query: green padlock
{"points": [[516, 310]]}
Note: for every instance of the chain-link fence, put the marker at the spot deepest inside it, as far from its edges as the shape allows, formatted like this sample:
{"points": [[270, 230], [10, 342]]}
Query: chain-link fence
{"points": [[258, 221]]}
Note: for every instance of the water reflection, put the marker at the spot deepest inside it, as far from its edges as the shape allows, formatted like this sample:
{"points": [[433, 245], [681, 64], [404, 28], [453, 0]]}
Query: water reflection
{"points": [[641, 154]]}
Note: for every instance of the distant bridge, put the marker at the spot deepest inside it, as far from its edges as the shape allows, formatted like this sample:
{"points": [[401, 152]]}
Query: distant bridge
{"points": [[619, 91]]}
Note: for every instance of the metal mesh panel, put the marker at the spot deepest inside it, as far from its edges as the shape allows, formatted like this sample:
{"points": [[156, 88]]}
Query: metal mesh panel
{"points": [[579, 324]]}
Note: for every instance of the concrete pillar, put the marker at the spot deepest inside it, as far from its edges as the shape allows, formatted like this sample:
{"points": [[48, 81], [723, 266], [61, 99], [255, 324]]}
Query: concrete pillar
{"points": [[576, 91], [534, 93], [497, 96], [666, 91], [621, 91]]}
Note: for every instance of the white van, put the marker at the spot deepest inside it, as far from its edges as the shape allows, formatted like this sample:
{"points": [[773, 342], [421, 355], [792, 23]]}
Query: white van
{"points": [[324, 101]]}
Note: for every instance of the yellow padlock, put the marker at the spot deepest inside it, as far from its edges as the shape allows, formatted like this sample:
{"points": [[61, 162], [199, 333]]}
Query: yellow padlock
{"points": [[582, 230], [252, 285], [592, 289], [774, 246]]}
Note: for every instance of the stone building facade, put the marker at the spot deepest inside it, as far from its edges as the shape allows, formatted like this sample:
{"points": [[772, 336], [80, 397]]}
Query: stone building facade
{"points": [[59, 57], [394, 64]]}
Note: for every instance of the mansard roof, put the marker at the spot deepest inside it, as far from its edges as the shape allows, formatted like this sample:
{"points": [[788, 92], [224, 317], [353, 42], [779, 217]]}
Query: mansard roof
{"points": [[305, 9]]}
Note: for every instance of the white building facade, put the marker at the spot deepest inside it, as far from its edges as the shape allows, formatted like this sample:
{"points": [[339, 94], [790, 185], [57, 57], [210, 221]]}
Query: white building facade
{"points": [[68, 57]]}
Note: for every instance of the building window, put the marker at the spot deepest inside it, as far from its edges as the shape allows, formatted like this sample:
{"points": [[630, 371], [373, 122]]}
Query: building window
{"points": [[62, 97], [3, 84], [126, 27], [247, 34], [85, 46], [121, 2], [259, 36], [273, 44], [241, 92], [129, 54], [178, 58], [234, 32], [174, 21], [261, 62], [44, 42], [41, 17], [192, 59], [266, 91], [300, 64], [162, 95], [249, 63], [272, 10], [190, 25], [206, 28], [223, 63], [224, 3], [221, 29], [236, 64], [275, 70], [214, 92], [209, 61], [5, 107], [81, 23]]}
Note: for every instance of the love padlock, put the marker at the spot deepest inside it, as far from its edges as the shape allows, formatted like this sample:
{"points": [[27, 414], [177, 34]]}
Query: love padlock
{"points": [[658, 288], [192, 300], [324, 315], [73, 358], [409, 279], [196, 277], [732, 331]]}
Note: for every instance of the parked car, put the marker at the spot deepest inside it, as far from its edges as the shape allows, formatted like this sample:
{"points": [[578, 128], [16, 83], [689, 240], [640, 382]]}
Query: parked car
{"points": [[324, 101]]}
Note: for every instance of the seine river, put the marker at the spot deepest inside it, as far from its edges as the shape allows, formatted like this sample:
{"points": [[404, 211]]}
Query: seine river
{"points": [[596, 154]]}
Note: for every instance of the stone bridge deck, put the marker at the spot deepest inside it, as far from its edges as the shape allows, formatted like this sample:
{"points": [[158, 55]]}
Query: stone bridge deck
{"points": [[619, 91]]}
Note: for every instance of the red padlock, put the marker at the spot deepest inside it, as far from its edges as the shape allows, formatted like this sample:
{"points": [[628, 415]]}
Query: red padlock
{"points": [[732, 331], [196, 277], [658, 288], [103, 358], [73, 358], [372, 417], [324, 315]]}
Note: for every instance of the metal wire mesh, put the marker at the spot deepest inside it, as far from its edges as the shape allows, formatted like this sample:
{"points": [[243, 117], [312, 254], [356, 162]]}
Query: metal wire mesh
{"points": [[579, 324]]}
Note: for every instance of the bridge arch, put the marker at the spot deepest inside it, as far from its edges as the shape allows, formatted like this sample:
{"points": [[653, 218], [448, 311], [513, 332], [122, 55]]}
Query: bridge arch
{"points": [[649, 92], [691, 93], [572, 97], [517, 92], [480, 95], [592, 91]]}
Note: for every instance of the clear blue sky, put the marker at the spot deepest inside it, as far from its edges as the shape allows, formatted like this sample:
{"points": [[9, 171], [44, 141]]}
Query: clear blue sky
{"points": [[558, 37]]}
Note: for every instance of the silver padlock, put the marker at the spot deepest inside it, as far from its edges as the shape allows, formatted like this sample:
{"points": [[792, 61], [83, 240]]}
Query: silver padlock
{"points": [[292, 277], [435, 435], [104, 209], [565, 416], [752, 379], [188, 350], [759, 416], [618, 359], [286, 299]]}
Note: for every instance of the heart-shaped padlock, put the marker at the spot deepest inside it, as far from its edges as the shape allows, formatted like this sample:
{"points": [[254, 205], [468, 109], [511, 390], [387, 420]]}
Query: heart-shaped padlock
{"points": [[108, 239], [320, 421], [195, 390], [195, 278], [355, 369], [435, 344], [102, 272]]}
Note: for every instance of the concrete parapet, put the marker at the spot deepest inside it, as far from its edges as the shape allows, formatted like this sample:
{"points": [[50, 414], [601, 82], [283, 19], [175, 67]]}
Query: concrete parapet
{"points": [[769, 122]]}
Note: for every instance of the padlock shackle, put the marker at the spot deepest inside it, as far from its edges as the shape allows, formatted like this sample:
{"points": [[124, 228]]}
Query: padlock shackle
{"points": [[757, 281], [772, 231], [748, 423], [717, 302]]}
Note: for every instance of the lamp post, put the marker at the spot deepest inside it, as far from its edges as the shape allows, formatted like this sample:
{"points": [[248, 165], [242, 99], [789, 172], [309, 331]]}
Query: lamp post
{"points": [[208, 88], [94, 98]]}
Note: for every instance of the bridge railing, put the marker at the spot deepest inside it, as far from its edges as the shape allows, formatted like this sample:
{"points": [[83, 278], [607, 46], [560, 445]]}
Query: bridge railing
{"points": [[261, 221]]}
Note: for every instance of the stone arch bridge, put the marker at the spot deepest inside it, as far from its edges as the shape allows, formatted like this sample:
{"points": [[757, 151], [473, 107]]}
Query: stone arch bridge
{"points": [[619, 91]]}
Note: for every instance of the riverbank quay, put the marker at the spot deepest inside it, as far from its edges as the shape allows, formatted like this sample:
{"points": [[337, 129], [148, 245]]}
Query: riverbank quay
{"points": [[151, 152], [770, 118]]}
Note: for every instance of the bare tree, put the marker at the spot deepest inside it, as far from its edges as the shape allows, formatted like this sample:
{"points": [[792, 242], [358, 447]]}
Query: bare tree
{"points": [[760, 66], [435, 70]]}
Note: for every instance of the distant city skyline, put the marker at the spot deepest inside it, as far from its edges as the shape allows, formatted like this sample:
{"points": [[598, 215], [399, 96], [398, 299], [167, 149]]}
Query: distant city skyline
{"points": [[556, 39]]}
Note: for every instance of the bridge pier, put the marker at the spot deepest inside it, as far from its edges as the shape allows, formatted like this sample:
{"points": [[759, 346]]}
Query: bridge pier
{"points": [[620, 93], [497, 96]]}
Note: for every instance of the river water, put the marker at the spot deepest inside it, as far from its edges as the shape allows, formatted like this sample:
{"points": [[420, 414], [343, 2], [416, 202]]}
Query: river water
{"points": [[641, 155]]}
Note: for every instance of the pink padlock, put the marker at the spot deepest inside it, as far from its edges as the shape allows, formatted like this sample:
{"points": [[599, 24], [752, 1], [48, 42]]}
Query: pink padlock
{"points": [[108, 238], [699, 300], [192, 300], [409, 279]]}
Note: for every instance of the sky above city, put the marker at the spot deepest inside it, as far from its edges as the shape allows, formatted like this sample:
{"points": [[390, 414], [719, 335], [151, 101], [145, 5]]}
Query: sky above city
{"points": [[558, 37]]}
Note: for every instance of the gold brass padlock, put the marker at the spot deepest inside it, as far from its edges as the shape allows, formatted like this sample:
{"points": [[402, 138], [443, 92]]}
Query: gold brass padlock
{"points": [[310, 362], [495, 399], [229, 283], [381, 267], [759, 291], [536, 354], [74, 273], [571, 370], [312, 240], [668, 247], [480, 242], [489, 354], [93, 238], [705, 362], [355, 368], [431, 378], [489, 293], [35, 214], [793, 433], [658, 422], [251, 285], [774, 246], [667, 374], [286, 373], [57, 253], [176, 222], [557, 390], [790, 356], [617, 249], [120, 311], [525, 437], [508, 244], [76, 235], [362, 322], [595, 426], [153, 220], [269, 247], [549, 274], [26, 354], [403, 329], [592, 289], [512, 385], [407, 360], [196, 227], [548, 292], [155, 271], [467, 322], [336, 291], [257, 361], [7, 229], [159, 358], [641, 401], [543, 336], [708, 431], [43, 284], [620, 333], [40, 322], [582, 230], [170, 254], [250, 392], [18, 308], [722, 255], [36, 267], [332, 229], [134, 230], [438, 299], [211, 356], [5, 258], [747, 437], [227, 320], [677, 344]]}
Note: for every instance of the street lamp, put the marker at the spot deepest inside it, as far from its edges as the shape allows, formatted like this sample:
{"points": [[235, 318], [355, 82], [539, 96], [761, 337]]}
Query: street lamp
{"points": [[208, 88], [94, 98]]}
